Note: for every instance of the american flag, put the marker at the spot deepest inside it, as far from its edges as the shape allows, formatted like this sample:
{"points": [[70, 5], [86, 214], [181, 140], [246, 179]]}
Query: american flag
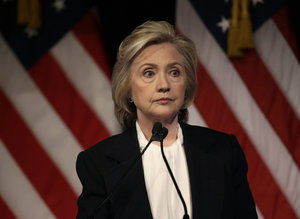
{"points": [[55, 100]]}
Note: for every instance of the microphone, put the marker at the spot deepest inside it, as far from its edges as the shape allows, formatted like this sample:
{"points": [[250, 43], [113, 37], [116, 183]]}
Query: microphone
{"points": [[156, 130], [163, 133], [156, 136]]}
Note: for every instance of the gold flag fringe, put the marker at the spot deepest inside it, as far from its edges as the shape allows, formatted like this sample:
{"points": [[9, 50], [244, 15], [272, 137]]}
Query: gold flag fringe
{"points": [[29, 13], [240, 35]]}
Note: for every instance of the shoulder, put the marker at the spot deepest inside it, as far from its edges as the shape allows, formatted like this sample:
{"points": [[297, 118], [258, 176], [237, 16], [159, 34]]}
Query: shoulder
{"points": [[211, 141], [221, 146], [204, 134], [112, 147], [112, 143]]}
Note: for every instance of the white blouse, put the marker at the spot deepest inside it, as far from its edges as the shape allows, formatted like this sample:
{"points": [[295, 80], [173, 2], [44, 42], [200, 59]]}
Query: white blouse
{"points": [[164, 200]]}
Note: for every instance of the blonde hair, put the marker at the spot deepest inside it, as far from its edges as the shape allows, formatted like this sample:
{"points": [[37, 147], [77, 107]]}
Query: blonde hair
{"points": [[149, 33]]}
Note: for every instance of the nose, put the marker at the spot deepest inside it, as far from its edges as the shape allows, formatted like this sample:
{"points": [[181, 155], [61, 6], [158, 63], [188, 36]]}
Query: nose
{"points": [[163, 84]]}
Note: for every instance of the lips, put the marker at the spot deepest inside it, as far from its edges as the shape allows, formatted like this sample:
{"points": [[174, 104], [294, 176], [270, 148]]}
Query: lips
{"points": [[163, 100]]}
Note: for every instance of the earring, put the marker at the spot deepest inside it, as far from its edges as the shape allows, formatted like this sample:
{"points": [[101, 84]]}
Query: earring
{"points": [[130, 100]]}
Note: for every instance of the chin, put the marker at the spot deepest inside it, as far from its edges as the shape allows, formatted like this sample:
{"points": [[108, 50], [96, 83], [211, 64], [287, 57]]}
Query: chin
{"points": [[162, 116]]}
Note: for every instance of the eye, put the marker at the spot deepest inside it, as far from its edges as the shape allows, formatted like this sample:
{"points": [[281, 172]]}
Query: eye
{"points": [[149, 74], [175, 73]]}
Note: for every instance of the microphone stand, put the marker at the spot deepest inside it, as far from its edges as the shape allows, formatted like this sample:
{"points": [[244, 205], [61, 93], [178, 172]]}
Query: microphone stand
{"points": [[164, 133]]}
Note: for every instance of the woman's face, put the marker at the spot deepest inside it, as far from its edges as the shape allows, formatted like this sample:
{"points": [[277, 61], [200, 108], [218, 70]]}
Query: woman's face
{"points": [[158, 82]]}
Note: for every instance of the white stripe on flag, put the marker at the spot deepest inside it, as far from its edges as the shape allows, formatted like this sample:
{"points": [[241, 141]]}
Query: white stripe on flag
{"points": [[39, 115], [17, 191], [259, 214], [281, 62], [269, 146], [195, 117], [87, 78]]}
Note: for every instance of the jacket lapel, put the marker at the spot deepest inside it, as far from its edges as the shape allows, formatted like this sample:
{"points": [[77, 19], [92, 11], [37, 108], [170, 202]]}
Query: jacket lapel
{"points": [[206, 175], [130, 199]]}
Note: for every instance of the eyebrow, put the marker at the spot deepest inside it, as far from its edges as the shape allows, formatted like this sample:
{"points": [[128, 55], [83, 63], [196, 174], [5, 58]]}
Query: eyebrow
{"points": [[169, 65]]}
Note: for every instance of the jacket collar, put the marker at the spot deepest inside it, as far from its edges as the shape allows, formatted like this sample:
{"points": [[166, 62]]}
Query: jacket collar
{"points": [[126, 146]]}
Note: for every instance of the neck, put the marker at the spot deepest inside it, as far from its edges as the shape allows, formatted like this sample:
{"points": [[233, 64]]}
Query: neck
{"points": [[146, 126]]}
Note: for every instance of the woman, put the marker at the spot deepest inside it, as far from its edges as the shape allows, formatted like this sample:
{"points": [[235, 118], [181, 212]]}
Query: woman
{"points": [[154, 79]]}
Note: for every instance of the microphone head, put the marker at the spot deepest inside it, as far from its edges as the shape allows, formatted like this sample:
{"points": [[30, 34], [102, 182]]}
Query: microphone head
{"points": [[164, 132], [156, 128]]}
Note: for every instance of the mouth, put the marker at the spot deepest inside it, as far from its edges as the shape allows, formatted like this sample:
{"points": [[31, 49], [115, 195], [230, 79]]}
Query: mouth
{"points": [[163, 100]]}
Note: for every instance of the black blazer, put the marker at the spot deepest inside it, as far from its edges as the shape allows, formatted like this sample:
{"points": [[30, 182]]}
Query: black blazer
{"points": [[217, 169]]}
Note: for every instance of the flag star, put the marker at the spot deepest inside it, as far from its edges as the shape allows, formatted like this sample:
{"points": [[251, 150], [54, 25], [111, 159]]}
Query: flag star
{"points": [[31, 32], [254, 2], [59, 5], [224, 24]]}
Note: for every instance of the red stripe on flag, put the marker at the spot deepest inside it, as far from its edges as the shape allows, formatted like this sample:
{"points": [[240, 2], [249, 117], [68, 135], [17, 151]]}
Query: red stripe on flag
{"points": [[283, 22], [271, 101], [35, 163], [68, 103], [5, 211], [88, 33], [218, 115]]}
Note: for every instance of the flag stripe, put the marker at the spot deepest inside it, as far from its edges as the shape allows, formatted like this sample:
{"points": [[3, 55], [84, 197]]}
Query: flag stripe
{"points": [[93, 85], [240, 101], [259, 215], [194, 117], [26, 98], [282, 20], [88, 33], [218, 115], [5, 211], [270, 100], [33, 160], [15, 186], [281, 62], [67, 102]]}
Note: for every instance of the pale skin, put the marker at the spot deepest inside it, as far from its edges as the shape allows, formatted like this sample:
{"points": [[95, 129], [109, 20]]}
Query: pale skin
{"points": [[158, 84]]}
